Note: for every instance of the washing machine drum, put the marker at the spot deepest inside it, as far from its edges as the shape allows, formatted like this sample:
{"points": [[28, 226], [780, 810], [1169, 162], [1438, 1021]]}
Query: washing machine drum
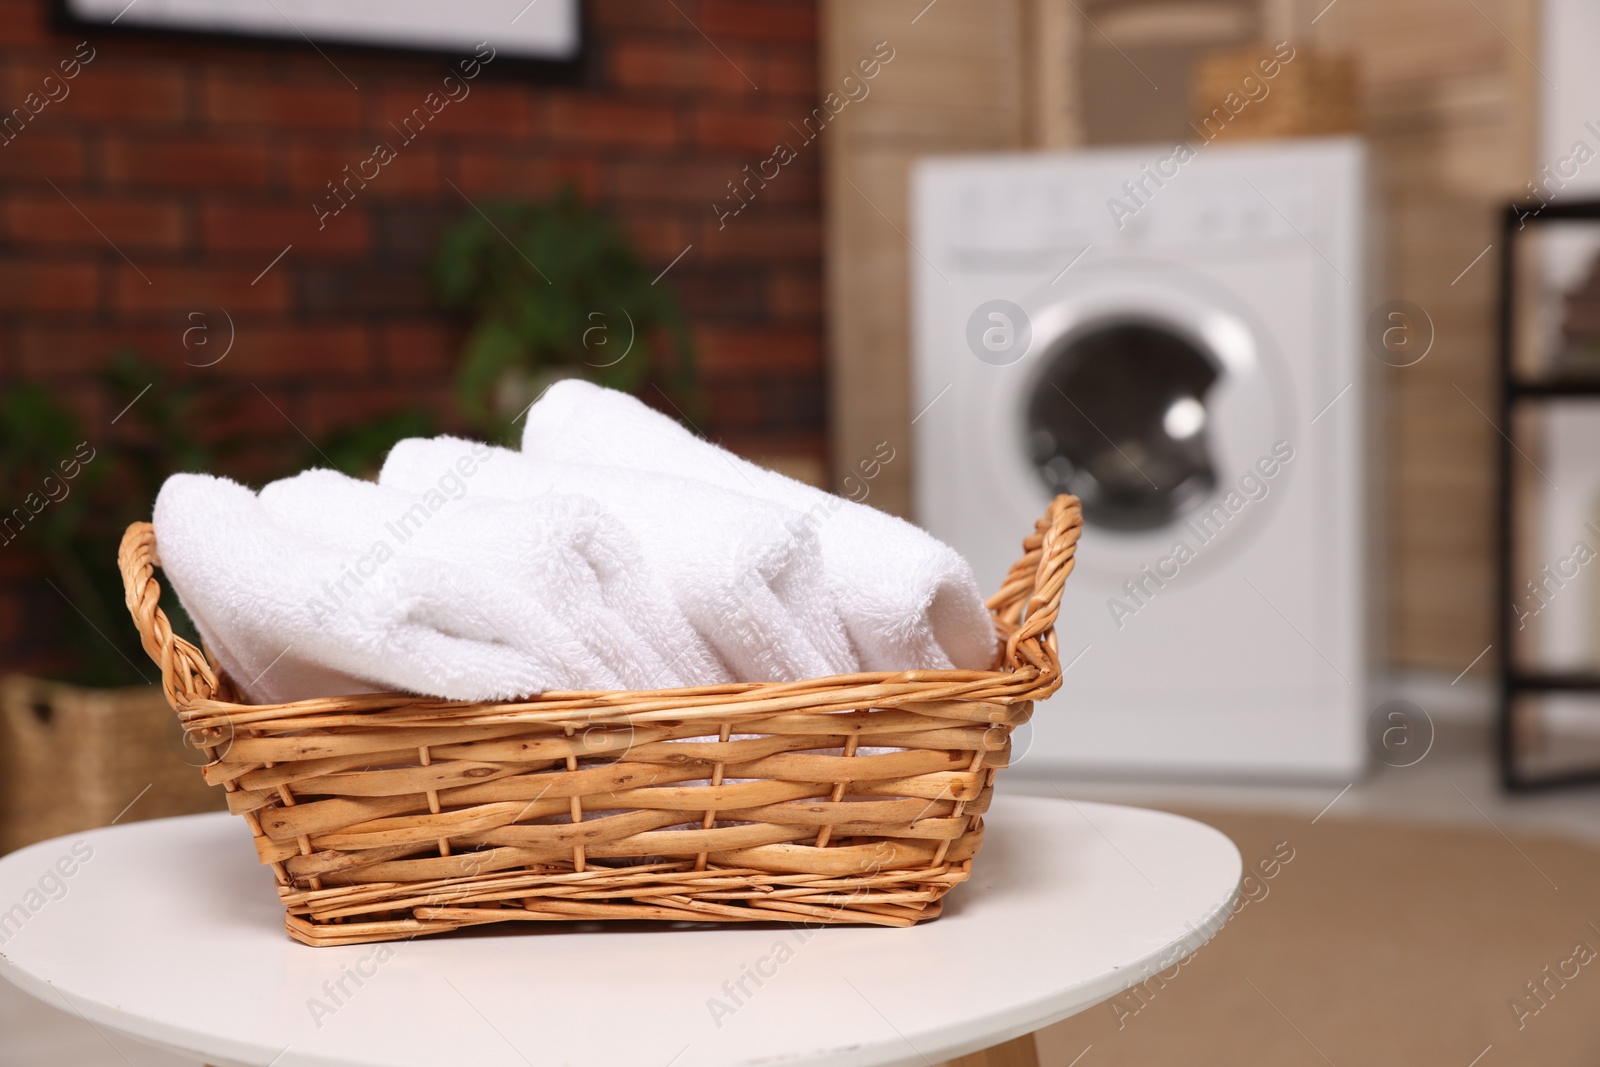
{"points": [[1118, 417]]}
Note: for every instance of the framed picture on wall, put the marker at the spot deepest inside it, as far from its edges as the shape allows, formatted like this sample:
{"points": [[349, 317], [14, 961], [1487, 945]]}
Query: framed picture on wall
{"points": [[541, 31]]}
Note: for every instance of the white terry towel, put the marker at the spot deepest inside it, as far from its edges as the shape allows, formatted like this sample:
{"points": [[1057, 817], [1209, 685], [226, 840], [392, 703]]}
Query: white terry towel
{"points": [[289, 618], [908, 601], [746, 573], [531, 550]]}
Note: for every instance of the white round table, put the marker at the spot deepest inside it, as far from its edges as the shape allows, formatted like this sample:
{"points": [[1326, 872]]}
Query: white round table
{"points": [[170, 932]]}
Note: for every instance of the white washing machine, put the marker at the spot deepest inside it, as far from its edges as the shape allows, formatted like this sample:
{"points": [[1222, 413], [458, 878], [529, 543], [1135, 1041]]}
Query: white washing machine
{"points": [[1176, 337]]}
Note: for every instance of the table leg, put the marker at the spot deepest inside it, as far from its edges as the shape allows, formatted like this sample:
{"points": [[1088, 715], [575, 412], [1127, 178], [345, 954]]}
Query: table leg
{"points": [[1018, 1052]]}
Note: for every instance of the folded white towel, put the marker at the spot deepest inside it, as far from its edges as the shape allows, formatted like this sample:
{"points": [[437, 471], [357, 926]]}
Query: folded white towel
{"points": [[746, 573], [616, 551], [610, 602], [907, 600], [291, 618]]}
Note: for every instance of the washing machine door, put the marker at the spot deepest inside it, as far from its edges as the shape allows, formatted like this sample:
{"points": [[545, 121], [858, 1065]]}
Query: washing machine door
{"points": [[1150, 393]]}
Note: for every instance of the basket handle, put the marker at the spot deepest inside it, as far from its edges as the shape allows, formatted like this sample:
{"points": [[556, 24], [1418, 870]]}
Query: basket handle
{"points": [[186, 675], [1030, 598]]}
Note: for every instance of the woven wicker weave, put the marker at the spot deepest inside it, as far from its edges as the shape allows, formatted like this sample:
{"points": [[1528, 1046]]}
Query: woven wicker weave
{"points": [[387, 816]]}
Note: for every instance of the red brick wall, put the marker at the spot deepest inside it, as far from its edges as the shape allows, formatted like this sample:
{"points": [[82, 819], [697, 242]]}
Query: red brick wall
{"points": [[200, 161]]}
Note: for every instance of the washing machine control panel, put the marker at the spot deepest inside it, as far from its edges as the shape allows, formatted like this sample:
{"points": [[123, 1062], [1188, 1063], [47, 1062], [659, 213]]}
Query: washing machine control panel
{"points": [[1126, 204]]}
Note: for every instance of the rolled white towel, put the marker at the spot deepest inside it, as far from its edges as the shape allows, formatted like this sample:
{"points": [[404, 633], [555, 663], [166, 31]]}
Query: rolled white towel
{"points": [[746, 573], [908, 601], [289, 618], [611, 603]]}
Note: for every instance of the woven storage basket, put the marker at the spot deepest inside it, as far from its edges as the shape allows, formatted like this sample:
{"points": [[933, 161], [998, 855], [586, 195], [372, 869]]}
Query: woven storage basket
{"points": [[389, 816], [73, 758]]}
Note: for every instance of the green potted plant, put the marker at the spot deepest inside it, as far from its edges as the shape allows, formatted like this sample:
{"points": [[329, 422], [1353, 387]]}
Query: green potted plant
{"points": [[74, 753], [555, 289], [78, 747]]}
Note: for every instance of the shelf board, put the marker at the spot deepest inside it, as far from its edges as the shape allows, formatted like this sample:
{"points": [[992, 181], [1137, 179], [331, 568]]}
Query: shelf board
{"points": [[1554, 385], [1521, 214], [1553, 681], [1520, 781]]}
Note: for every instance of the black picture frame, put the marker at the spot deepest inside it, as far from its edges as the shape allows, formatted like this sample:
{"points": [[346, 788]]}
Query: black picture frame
{"points": [[573, 71]]}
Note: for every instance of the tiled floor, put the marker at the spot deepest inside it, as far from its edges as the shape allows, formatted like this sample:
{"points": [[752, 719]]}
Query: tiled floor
{"points": [[1453, 784]]}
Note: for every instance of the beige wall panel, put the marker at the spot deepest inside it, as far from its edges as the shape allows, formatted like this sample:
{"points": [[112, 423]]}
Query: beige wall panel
{"points": [[954, 85]]}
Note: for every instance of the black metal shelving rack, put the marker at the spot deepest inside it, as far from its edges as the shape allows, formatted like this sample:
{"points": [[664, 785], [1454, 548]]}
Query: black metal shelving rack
{"points": [[1516, 392]]}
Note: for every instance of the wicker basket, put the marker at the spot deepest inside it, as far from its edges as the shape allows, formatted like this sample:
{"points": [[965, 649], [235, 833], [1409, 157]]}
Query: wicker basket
{"points": [[72, 758], [1313, 95], [388, 816]]}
